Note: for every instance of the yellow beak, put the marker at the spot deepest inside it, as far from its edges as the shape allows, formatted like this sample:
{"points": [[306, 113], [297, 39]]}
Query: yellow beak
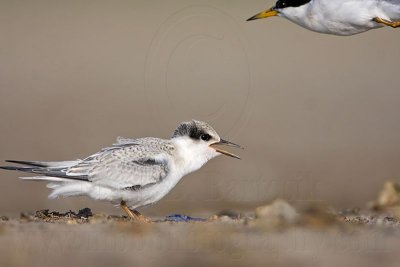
{"points": [[265, 14]]}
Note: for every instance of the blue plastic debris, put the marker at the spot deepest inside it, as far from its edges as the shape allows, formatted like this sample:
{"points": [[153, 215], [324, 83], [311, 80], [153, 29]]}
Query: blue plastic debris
{"points": [[182, 218]]}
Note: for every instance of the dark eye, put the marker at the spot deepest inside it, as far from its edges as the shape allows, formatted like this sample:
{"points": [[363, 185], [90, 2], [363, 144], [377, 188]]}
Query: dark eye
{"points": [[281, 4], [205, 137]]}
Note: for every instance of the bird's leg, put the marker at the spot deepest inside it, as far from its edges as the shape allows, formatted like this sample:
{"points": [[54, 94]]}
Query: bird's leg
{"points": [[141, 216], [134, 214], [393, 24], [125, 208]]}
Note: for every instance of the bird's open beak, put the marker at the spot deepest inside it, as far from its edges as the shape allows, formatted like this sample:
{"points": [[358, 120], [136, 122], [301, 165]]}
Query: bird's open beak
{"points": [[226, 143], [265, 14]]}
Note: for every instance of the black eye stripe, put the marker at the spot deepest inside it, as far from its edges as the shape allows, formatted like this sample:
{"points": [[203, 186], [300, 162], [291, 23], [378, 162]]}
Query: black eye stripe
{"points": [[195, 133], [192, 130]]}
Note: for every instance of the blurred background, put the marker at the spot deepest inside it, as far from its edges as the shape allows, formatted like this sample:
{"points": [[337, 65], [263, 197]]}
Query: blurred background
{"points": [[317, 114]]}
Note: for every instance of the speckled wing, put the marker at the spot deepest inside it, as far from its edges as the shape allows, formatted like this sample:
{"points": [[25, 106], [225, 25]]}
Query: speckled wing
{"points": [[133, 164]]}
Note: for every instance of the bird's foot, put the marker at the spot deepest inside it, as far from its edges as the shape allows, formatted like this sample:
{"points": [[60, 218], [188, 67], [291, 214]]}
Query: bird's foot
{"points": [[393, 24], [141, 217], [134, 214]]}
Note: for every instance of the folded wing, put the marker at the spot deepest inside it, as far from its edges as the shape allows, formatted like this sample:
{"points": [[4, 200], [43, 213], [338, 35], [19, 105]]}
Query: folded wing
{"points": [[126, 166]]}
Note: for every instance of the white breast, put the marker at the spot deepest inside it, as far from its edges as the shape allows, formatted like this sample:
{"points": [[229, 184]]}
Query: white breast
{"points": [[187, 157], [340, 17]]}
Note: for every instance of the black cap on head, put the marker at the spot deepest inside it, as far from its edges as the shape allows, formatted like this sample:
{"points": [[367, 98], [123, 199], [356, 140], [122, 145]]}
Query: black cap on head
{"points": [[291, 3]]}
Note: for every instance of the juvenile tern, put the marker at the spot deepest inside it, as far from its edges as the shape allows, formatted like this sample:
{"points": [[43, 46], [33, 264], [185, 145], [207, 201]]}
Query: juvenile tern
{"points": [[131, 173], [338, 17]]}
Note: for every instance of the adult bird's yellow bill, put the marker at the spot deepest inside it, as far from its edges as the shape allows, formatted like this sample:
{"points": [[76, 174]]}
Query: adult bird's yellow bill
{"points": [[265, 14]]}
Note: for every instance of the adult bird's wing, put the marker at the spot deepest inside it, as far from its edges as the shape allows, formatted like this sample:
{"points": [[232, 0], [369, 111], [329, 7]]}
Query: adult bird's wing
{"points": [[131, 165], [391, 8]]}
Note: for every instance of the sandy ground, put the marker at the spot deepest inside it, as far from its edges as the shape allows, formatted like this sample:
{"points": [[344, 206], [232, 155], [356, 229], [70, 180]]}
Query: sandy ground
{"points": [[311, 237]]}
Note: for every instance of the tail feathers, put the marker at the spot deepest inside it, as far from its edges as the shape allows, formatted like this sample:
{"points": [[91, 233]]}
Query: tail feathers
{"points": [[14, 168], [51, 164], [45, 169], [54, 173], [29, 163], [45, 178], [21, 169]]}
